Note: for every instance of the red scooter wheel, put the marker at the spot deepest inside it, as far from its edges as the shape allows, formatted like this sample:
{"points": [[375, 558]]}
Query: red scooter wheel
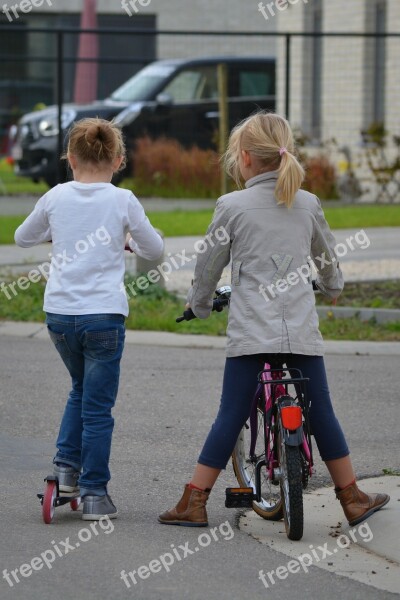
{"points": [[75, 503], [49, 496]]}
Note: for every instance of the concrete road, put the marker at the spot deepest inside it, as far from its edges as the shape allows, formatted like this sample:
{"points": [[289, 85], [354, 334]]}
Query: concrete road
{"points": [[167, 400]]}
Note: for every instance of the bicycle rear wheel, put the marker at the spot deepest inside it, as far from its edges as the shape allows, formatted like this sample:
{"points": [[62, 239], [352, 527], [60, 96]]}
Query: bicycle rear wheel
{"points": [[244, 466], [291, 488]]}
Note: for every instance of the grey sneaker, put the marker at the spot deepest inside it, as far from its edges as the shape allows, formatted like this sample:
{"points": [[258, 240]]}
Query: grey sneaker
{"points": [[95, 507], [67, 478]]}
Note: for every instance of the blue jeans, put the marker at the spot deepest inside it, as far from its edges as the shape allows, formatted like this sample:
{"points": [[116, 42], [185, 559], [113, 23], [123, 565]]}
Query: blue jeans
{"points": [[239, 387], [91, 348]]}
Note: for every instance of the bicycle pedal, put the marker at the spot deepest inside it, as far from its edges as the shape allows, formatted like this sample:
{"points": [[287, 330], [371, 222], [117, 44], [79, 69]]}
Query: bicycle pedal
{"points": [[239, 497]]}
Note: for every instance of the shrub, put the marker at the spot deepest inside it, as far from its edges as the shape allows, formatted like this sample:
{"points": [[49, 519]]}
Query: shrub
{"points": [[163, 167], [383, 161], [321, 177]]}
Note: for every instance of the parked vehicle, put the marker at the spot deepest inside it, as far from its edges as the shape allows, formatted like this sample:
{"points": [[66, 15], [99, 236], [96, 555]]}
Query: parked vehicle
{"points": [[173, 98], [16, 98]]}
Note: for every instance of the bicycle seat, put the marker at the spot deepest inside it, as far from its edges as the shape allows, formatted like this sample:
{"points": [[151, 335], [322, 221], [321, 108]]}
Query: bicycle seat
{"points": [[276, 361]]}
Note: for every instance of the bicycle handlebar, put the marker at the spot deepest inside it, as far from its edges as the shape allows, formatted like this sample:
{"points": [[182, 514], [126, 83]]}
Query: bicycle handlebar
{"points": [[218, 306]]}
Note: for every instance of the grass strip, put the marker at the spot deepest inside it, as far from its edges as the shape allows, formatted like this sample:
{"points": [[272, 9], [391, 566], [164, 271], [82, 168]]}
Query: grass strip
{"points": [[155, 309]]}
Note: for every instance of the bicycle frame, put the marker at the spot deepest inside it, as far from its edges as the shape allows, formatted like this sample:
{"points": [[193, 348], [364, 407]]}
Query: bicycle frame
{"points": [[272, 386]]}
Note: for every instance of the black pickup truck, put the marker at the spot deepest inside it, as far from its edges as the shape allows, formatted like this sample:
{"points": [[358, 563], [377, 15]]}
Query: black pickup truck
{"points": [[172, 98]]}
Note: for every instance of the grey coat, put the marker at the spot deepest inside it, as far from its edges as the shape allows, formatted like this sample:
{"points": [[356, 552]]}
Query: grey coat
{"points": [[271, 247]]}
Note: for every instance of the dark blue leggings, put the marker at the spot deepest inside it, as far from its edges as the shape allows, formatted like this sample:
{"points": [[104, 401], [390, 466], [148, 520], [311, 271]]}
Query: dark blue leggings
{"points": [[239, 387]]}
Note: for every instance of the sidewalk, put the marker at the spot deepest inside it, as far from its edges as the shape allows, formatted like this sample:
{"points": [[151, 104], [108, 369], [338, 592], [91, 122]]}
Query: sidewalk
{"points": [[368, 552], [381, 260], [23, 205]]}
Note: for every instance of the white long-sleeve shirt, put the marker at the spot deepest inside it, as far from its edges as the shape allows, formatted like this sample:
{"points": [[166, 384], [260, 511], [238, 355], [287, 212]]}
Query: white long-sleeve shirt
{"points": [[87, 224]]}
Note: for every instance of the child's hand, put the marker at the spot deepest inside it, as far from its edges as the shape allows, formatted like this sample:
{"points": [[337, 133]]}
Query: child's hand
{"points": [[127, 246]]}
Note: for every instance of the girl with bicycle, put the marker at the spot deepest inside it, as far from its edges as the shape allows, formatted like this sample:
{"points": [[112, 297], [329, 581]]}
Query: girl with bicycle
{"points": [[88, 220], [276, 230]]}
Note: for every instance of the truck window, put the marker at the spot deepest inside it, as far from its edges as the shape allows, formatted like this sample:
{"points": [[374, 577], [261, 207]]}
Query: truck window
{"points": [[252, 81], [197, 83]]}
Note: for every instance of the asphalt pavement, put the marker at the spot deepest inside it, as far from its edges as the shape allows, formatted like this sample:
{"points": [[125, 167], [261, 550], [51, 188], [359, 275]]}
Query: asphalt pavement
{"points": [[167, 400]]}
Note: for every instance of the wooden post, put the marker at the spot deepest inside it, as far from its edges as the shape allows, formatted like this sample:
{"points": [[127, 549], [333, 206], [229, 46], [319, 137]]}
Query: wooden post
{"points": [[223, 118]]}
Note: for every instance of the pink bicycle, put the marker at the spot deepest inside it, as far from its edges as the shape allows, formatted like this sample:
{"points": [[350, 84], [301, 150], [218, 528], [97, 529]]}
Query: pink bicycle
{"points": [[272, 459], [273, 454]]}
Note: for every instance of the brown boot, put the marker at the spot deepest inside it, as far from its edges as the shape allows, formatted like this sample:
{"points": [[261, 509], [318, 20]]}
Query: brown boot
{"points": [[357, 505], [190, 510]]}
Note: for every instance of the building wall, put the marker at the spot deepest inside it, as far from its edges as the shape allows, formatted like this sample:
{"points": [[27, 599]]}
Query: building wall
{"points": [[203, 15], [393, 71], [294, 19], [348, 69], [174, 15], [344, 72]]}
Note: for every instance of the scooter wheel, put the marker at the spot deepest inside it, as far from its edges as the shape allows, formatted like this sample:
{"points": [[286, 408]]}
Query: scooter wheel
{"points": [[50, 494], [75, 503]]}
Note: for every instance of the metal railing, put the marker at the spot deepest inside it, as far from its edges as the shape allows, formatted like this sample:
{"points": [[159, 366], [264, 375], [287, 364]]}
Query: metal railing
{"points": [[287, 55]]}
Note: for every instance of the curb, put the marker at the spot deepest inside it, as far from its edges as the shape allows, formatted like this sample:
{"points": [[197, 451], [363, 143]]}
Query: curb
{"points": [[180, 340], [381, 315]]}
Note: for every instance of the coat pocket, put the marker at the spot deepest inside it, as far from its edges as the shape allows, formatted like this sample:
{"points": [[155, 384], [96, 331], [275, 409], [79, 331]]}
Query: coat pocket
{"points": [[235, 278]]}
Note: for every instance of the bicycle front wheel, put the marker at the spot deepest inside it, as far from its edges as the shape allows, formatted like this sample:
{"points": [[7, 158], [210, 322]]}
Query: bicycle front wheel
{"points": [[244, 466], [291, 488]]}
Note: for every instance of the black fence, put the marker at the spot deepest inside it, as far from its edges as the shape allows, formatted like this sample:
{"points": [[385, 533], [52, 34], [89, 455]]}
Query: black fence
{"points": [[334, 84]]}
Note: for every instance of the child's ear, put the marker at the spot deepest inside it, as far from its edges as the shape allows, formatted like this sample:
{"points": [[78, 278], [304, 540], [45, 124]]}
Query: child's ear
{"points": [[246, 158], [117, 163], [72, 161]]}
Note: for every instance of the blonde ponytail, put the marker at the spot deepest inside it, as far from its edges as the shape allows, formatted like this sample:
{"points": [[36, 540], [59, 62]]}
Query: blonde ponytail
{"points": [[269, 138], [290, 178]]}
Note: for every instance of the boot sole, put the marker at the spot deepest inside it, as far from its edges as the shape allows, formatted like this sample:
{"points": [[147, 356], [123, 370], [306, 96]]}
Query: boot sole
{"points": [[369, 513], [183, 523]]}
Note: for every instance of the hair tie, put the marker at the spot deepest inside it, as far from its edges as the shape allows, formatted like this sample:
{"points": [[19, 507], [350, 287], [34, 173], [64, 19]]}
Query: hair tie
{"points": [[282, 150]]}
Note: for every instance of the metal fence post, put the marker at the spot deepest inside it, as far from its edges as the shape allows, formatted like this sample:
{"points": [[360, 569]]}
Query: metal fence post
{"points": [[288, 39], [60, 100]]}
